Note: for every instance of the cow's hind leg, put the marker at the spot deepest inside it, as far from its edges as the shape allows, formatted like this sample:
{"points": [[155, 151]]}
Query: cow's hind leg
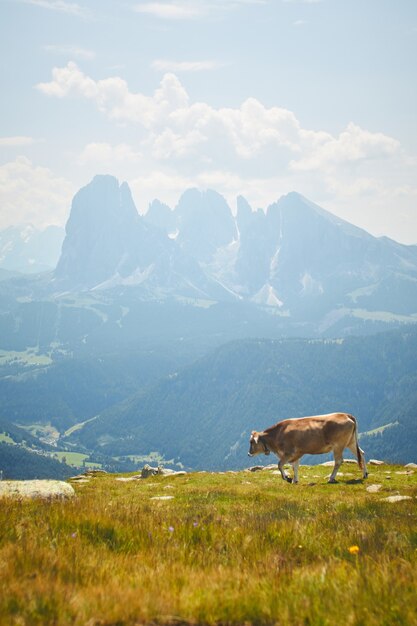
{"points": [[361, 461], [282, 470], [295, 466], [338, 460]]}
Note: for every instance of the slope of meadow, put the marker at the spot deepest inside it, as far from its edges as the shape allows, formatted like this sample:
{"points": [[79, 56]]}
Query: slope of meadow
{"points": [[206, 548]]}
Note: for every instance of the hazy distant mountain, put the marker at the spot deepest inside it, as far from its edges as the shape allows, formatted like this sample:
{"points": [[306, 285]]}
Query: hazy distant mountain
{"points": [[108, 244], [301, 257], [105, 236], [29, 250], [296, 257], [200, 273]]}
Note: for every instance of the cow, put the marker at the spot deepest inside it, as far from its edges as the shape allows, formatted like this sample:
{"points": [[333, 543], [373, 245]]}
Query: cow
{"points": [[292, 438]]}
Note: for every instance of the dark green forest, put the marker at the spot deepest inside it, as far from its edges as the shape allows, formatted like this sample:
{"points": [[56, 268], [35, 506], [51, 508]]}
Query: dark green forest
{"points": [[18, 464], [196, 410], [202, 415]]}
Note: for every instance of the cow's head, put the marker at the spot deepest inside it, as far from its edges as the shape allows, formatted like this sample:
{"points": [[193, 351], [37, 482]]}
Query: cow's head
{"points": [[256, 444]]}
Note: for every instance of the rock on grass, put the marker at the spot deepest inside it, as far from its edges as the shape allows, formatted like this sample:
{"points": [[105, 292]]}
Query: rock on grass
{"points": [[36, 489]]}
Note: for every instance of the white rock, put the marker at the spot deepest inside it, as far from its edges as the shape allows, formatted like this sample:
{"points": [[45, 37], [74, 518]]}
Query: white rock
{"points": [[411, 466], [162, 498], [172, 474], [375, 462], [36, 489], [373, 488], [397, 498]]}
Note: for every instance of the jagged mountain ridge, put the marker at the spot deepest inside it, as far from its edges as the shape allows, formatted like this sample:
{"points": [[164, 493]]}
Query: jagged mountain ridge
{"points": [[108, 244], [295, 257]]}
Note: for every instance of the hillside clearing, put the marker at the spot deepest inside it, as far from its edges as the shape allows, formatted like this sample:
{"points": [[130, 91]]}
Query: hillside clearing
{"points": [[225, 548]]}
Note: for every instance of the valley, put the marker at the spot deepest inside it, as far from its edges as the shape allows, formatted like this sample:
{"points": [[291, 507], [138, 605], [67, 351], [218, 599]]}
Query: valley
{"points": [[172, 335]]}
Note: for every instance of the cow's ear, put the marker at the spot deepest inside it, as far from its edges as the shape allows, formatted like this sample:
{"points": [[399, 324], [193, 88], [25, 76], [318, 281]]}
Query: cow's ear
{"points": [[255, 437]]}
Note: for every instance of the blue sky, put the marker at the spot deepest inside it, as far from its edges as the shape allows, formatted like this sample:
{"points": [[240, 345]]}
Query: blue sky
{"points": [[252, 97]]}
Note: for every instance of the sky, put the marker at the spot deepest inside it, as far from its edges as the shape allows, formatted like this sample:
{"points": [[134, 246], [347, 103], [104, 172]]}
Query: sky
{"points": [[248, 97]]}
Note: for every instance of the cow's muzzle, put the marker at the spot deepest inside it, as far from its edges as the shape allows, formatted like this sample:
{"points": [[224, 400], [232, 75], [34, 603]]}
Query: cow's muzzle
{"points": [[250, 454]]}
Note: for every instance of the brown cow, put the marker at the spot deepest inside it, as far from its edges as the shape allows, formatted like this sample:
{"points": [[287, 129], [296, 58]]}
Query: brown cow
{"points": [[292, 438]]}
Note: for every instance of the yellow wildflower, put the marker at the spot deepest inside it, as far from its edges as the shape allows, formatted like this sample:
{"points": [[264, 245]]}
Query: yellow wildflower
{"points": [[354, 549]]}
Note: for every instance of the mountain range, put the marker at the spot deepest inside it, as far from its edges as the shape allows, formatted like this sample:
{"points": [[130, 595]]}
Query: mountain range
{"points": [[170, 335], [295, 257]]}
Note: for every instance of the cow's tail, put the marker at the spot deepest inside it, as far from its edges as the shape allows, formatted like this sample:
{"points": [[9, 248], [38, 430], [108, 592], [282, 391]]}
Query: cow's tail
{"points": [[358, 450]]}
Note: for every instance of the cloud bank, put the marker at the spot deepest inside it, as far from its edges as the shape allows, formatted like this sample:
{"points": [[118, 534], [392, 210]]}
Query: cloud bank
{"points": [[259, 151], [171, 126]]}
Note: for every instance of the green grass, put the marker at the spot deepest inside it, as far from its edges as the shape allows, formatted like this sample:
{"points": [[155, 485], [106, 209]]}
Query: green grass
{"points": [[41, 430], [78, 426], [234, 548], [4, 438], [75, 459], [381, 429], [154, 458], [26, 357]]}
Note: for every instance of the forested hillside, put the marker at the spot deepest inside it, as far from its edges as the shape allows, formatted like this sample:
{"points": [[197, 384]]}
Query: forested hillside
{"points": [[20, 464], [202, 415], [72, 390], [399, 440]]}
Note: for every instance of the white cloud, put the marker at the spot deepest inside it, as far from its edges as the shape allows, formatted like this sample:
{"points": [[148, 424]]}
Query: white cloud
{"points": [[352, 146], [177, 127], [166, 65], [191, 9], [252, 149], [70, 8], [113, 97], [173, 127], [69, 79], [172, 10], [17, 141], [32, 194], [71, 51]]}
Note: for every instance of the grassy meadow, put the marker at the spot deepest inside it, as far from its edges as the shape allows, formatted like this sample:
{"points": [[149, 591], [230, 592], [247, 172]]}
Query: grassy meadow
{"points": [[235, 548]]}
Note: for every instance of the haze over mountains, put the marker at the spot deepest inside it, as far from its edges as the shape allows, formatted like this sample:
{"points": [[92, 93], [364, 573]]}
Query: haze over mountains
{"points": [[124, 341], [30, 250], [295, 257]]}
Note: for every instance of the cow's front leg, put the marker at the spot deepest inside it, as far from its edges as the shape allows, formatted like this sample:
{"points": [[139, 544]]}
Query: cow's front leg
{"points": [[283, 472]]}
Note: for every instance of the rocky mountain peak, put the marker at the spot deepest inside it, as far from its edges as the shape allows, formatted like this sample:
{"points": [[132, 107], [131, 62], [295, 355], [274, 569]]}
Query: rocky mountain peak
{"points": [[205, 223], [161, 216], [100, 233]]}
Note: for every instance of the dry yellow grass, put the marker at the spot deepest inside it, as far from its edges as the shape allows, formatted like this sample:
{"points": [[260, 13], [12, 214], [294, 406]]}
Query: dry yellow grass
{"points": [[242, 548]]}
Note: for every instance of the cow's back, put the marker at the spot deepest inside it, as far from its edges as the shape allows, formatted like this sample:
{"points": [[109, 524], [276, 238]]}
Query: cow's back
{"points": [[315, 434]]}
